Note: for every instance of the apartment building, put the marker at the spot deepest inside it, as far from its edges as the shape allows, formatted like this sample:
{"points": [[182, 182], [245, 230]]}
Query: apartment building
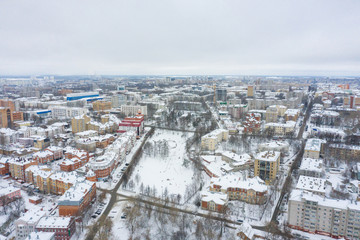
{"points": [[101, 106], [63, 227], [214, 201], [250, 190], [26, 224], [281, 129], [292, 114], [344, 151], [78, 123], [212, 139], [132, 110], [77, 199], [312, 167], [313, 148], [267, 165], [316, 214], [61, 112], [17, 167]]}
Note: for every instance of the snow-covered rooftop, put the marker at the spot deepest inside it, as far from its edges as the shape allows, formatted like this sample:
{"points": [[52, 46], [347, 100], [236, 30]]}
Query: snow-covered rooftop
{"points": [[311, 184], [270, 156], [310, 164], [298, 195], [313, 144], [54, 222], [235, 181]]}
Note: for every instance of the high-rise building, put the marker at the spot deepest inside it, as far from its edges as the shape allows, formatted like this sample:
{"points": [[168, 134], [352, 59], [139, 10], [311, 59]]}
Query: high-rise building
{"points": [[266, 165], [250, 91], [221, 94], [317, 214]]}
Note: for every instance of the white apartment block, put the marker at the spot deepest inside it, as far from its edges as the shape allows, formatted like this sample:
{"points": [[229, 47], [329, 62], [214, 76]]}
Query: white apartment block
{"points": [[132, 110], [315, 214], [60, 112]]}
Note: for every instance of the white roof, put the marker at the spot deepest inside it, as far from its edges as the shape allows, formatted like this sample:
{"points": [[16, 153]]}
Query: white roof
{"points": [[54, 222], [77, 191], [246, 228], [298, 195], [240, 159], [32, 216], [8, 190], [310, 164], [311, 184], [235, 181], [216, 197], [313, 144], [40, 236], [270, 156]]}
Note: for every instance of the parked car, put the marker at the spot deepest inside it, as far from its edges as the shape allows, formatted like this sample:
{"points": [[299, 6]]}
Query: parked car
{"points": [[126, 164], [93, 216], [115, 181], [123, 216]]}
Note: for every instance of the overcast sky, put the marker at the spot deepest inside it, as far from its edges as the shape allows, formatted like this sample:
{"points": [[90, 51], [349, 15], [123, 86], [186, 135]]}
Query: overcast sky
{"points": [[287, 37]]}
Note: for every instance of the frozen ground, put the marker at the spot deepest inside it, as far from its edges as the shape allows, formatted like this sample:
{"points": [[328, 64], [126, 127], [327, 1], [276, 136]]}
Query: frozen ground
{"points": [[172, 173]]}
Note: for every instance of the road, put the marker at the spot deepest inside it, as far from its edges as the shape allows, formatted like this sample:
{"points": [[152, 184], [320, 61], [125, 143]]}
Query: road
{"points": [[295, 162], [176, 208], [113, 193]]}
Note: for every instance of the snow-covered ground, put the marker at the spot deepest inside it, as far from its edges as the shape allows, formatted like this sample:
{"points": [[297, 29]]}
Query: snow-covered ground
{"points": [[171, 173]]}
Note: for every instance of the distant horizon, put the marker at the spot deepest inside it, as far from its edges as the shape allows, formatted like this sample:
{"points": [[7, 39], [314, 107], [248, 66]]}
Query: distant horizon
{"points": [[233, 37], [174, 75]]}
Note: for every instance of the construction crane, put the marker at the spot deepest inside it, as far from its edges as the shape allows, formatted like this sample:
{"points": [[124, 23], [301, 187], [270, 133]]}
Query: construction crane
{"points": [[214, 87]]}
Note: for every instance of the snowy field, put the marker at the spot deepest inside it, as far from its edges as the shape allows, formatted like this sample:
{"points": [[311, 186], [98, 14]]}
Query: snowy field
{"points": [[166, 171]]}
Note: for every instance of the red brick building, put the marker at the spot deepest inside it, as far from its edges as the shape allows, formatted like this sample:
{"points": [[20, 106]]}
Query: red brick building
{"points": [[214, 201], [63, 227], [252, 123], [77, 199]]}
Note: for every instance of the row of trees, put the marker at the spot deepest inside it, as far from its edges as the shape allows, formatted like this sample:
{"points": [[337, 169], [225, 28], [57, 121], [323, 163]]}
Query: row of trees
{"points": [[146, 221]]}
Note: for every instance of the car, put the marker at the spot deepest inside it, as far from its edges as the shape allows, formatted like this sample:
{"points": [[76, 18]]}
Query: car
{"points": [[240, 221], [126, 164], [123, 216], [115, 181], [102, 204], [112, 214], [93, 216]]}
